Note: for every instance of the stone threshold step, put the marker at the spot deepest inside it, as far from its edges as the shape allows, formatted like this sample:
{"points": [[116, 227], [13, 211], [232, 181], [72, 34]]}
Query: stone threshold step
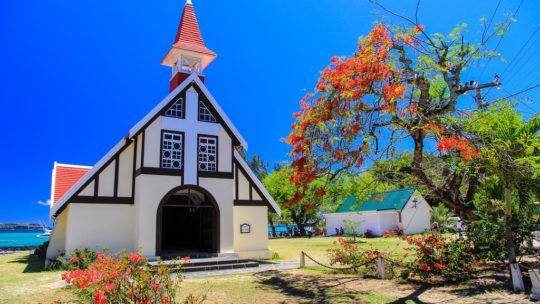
{"points": [[203, 262], [218, 267]]}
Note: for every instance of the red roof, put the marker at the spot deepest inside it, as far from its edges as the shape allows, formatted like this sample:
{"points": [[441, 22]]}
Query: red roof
{"points": [[65, 176], [189, 35]]}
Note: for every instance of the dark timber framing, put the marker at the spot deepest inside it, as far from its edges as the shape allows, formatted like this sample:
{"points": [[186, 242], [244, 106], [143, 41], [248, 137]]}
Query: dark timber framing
{"points": [[252, 186], [133, 139], [102, 200], [116, 172], [159, 216]]}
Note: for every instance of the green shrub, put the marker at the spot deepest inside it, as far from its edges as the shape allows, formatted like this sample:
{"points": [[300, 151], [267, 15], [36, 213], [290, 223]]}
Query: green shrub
{"points": [[489, 238], [41, 250]]}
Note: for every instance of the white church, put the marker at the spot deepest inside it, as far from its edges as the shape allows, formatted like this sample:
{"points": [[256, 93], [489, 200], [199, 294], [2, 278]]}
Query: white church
{"points": [[176, 184]]}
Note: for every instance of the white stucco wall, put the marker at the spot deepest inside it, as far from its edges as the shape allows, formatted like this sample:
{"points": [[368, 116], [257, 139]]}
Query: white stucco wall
{"points": [[88, 190], [388, 220], [152, 144], [125, 172], [139, 151], [416, 219], [255, 243], [96, 226], [106, 181], [225, 151], [243, 186], [57, 241], [335, 220], [222, 191], [149, 191]]}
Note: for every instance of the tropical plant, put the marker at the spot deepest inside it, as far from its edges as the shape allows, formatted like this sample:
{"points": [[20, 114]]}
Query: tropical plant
{"points": [[351, 228], [440, 214], [510, 149]]}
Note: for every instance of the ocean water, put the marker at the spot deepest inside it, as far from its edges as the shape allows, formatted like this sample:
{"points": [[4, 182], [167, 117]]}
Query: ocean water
{"points": [[21, 238]]}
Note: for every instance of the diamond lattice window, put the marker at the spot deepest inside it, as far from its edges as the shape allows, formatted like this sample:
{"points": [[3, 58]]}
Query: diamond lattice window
{"points": [[171, 151], [204, 113], [207, 154], [176, 110]]}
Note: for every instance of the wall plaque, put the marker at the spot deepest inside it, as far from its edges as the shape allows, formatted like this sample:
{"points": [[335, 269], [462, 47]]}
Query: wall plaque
{"points": [[245, 228]]}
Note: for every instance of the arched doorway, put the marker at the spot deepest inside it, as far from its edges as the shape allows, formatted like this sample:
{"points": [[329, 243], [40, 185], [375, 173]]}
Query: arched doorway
{"points": [[187, 223]]}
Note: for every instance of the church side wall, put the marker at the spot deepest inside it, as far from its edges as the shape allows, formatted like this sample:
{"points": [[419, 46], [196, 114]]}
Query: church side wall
{"points": [[96, 226], [57, 241], [255, 243]]}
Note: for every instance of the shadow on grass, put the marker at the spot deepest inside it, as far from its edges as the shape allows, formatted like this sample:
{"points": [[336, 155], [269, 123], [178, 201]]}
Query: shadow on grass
{"points": [[309, 288], [464, 290], [33, 263]]}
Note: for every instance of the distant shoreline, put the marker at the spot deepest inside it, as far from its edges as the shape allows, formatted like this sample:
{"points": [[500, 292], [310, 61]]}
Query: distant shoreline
{"points": [[20, 226], [8, 250]]}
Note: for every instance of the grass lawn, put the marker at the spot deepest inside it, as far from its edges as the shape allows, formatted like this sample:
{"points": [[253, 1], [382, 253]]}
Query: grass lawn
{"points": [[22, 280], [289, 249]]}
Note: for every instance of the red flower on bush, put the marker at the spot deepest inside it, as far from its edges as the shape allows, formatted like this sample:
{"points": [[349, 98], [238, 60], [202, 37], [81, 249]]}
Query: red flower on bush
{"points": [[100, 297], [123, 279]]}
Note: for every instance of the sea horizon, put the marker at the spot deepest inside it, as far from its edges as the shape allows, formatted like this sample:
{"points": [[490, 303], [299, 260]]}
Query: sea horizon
{"points": [[20, 237]]}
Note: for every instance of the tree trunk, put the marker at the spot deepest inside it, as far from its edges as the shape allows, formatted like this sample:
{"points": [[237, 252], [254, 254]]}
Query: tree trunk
{"points": [[301, 227], [517, 280], [271, 221], [511, 250]]}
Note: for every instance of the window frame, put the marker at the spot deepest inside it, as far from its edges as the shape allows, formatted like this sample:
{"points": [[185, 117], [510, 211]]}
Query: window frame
{"points": [[183, 102], [204, 103], [217, 152], [183, 149]]}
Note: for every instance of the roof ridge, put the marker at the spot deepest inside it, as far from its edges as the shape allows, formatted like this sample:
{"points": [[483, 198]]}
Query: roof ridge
{"points": [[72, 166]]}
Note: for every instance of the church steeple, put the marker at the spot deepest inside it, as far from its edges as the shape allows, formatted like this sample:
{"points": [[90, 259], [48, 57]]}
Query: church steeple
{"points": [[188, 53]]}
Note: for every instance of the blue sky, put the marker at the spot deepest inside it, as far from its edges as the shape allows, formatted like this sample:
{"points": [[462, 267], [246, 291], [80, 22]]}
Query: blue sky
{"points": [[76, 76]]}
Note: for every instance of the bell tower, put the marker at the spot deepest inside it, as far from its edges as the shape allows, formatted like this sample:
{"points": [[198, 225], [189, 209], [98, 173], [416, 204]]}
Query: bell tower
{"points": [[188, 54]]}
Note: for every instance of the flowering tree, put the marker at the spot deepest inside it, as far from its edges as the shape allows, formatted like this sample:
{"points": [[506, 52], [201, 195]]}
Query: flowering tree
{"points": [[400, 85]]}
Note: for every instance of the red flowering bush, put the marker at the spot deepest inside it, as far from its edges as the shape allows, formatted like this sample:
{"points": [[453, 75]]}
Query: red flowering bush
{"points": [[123, 278], [351, 254], [393, 233], [435, 255]]}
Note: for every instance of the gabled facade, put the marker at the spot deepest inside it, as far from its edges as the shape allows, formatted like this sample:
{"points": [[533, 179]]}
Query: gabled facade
{"points": [[176, 184]]}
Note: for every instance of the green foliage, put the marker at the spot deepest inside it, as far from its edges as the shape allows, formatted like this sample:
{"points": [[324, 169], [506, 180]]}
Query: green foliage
{"points": [[351, 227], [80, 258], [510, 146], [440, 215], [488, 233], [41, 251]]}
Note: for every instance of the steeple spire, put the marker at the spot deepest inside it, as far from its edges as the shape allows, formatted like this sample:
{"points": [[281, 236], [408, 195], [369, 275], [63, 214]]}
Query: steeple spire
{"points": [[188, 53]]}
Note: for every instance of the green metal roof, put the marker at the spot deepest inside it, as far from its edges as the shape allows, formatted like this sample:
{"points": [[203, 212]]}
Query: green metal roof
{"points": [[393, 199]]}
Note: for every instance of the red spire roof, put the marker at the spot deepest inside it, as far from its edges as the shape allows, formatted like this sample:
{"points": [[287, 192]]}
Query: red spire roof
{"points": [[65, 176], [189, 35]]}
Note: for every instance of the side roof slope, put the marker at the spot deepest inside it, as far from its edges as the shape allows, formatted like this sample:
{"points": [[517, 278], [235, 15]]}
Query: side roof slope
{"points": [[393, 199], [139, 126]]}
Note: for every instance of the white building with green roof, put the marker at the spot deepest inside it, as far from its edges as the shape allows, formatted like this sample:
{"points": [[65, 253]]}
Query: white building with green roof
{"points": [[383, 211]]}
